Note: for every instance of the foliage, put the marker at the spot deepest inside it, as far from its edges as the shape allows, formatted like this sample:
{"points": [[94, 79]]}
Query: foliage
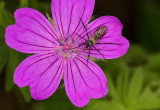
{"points": [[128, 93], [9, 58]]}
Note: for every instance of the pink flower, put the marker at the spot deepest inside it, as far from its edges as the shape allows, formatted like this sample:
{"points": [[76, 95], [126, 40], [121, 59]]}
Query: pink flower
{"points": [[55, 53]]}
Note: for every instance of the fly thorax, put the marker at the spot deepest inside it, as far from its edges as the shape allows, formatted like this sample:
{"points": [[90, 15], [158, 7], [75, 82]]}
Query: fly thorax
{"points": [[89, 43]]}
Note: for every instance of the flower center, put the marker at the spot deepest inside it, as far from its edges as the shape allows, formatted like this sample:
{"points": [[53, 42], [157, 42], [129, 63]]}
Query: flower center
{"points": [[66, 48]]}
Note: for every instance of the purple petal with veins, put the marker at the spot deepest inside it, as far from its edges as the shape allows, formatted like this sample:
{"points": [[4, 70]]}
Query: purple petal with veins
{"points": [[61, 50]]}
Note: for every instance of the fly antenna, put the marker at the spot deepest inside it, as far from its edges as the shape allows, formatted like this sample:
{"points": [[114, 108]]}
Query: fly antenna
{"points": [[88, 55], [84, 28], [78, 46], [81, 37], [87, 36]]}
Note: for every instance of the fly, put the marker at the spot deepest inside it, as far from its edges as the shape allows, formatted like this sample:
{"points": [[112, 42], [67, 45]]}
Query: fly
{"points": [[96, 36], [93, 39]]}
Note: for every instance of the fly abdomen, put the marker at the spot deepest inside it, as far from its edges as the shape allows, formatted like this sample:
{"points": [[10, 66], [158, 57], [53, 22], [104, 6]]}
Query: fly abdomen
{"points": [[98, 34], [101, 31]]}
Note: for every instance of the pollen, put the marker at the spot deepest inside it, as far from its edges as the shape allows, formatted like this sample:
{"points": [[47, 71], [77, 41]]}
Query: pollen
{"points": [[66, 48]]}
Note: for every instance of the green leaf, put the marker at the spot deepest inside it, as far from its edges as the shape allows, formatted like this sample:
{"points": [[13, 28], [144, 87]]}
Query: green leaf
{"points": [[104, 105], [135, 86], [3, 55], [14, 59], [5, 17], [23, 3], [5, 20], [3, 13], [2, 32], [33, 4], [154, 62], [112, 90], [148, 100], [122, 83], [45, 7], [26, 93], [150, 76], [58, 101]]}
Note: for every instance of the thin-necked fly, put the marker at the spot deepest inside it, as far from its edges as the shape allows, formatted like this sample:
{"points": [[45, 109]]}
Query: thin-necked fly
{"points": [[96, 36], [93, 39]]}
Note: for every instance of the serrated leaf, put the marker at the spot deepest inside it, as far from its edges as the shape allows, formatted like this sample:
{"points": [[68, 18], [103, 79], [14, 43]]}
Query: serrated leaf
{"points": [[135, 86], [26, 93]]}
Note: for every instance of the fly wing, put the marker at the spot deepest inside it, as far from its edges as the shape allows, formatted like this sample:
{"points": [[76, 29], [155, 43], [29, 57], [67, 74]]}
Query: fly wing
{"points": [[98, 34], [101, 31]]}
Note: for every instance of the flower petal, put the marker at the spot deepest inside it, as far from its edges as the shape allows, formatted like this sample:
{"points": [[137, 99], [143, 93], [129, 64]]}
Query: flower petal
{"points": [[32, 32], [42, 72], [108, 48], [67, 14], [84, 81], [114, 26], [112, 44]]}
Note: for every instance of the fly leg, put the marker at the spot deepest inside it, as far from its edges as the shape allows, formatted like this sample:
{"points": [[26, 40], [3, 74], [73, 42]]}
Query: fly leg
{"points": [[98, 51], [78, 46], [88, 55], [81, 37], [84, 28], [110, 43], [82, 43]]}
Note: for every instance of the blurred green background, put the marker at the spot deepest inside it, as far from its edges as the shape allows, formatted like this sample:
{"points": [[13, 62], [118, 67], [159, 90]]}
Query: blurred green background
{"points": [[133, 80]]}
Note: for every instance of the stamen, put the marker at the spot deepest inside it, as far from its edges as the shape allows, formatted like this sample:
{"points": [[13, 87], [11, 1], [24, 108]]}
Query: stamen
{"points": [[66, 39], [72, 41], [60, 43], [66, 49], [69, 36], [58, 53]]}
